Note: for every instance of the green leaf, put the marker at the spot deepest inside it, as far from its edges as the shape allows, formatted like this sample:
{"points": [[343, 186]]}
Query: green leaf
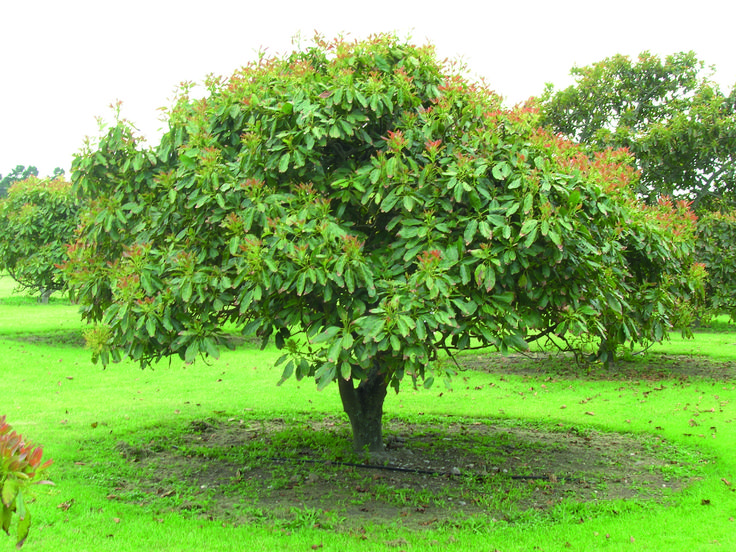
{"points": [[555, 237], [193, 349], [150, 326], [531, 237], [333, 355], [528, 203], [24, 521], [501, 170], [210, 347], [346, 371], [7, 515], [9, 492], [288, 371], [528, 226], [186, 291], [470, 231], [325, 375], [347, 341], [574, 199], [284, 162], [326, 335]]}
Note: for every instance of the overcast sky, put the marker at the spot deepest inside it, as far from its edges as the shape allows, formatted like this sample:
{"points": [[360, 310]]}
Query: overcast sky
{"points": [[63, 62]]}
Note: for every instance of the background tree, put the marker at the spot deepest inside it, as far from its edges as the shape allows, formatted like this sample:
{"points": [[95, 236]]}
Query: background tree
{"points": [[370, 211], [677, 123], [717, 250], [37, 219]]}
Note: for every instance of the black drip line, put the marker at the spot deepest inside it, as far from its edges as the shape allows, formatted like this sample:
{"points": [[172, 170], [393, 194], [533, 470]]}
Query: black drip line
{"points": [[550, 478]]}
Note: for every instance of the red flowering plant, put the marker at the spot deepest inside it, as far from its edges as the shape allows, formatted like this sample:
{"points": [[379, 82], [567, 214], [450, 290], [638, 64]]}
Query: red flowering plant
{"points": [[20, 467]]}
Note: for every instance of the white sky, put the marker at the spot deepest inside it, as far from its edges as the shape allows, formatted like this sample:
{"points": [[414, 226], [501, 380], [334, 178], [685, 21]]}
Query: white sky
{"points": [[63, 62]]}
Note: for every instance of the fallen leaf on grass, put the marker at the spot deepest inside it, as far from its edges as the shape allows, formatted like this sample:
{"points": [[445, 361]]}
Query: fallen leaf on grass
{"points": [[64, 506], [590, 413]]}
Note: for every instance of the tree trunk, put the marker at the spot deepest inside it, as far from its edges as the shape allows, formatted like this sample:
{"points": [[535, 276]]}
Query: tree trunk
{"points": [[364, 406], [44, 297]]}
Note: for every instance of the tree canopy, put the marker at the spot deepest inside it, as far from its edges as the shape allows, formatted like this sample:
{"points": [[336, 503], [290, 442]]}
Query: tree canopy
{"points": [[370, 211], [37, 219], [679, 125]]}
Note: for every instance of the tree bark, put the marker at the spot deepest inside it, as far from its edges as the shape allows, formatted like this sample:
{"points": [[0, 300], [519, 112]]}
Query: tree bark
{"points": [[364, 406], [44, 297]]}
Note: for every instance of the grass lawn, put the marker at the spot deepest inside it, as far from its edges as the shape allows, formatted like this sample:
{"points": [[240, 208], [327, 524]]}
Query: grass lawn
{"points": [[129, 445]]}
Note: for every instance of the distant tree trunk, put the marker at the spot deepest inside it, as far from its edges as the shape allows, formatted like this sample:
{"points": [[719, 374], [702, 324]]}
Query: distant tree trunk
{"points": [[364, 406], [45, 294]]}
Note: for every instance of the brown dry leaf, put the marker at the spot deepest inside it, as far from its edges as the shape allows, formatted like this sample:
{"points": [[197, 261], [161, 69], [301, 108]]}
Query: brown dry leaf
{"points": [[66, 505]]}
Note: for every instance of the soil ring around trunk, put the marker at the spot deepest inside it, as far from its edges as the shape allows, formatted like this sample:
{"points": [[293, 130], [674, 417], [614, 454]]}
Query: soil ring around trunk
{"points": [[443, 471]]}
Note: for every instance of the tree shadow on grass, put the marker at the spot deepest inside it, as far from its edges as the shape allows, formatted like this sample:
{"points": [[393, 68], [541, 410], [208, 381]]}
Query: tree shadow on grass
{"points": [[652, 367], [66, 338]]}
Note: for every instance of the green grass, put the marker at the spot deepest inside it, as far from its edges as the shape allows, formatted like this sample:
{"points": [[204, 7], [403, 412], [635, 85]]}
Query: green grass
{"points": [[79, 412]]}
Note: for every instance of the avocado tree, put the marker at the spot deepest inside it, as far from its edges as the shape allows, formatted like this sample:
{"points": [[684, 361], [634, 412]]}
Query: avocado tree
{"points": [[370, 211], [678, 124], [37, 219], [716, 249]]}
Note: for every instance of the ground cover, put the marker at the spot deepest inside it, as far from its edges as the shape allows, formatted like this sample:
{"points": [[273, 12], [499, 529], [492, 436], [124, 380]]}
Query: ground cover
{"points": [[216, 455]]}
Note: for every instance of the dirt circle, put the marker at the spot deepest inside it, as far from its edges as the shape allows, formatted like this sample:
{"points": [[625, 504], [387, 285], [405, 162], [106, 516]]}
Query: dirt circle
{"points": [[444, 470]]}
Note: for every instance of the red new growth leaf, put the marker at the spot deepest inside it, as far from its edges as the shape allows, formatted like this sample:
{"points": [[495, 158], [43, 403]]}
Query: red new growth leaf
{"points": [[19, 468]]}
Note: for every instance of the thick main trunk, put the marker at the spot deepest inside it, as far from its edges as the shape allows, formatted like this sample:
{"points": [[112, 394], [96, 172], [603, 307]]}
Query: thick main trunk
{"points": [[364, 406]]}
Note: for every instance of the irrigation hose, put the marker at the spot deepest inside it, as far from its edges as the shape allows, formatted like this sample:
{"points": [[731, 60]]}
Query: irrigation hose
{"points": [[550, 478]]}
